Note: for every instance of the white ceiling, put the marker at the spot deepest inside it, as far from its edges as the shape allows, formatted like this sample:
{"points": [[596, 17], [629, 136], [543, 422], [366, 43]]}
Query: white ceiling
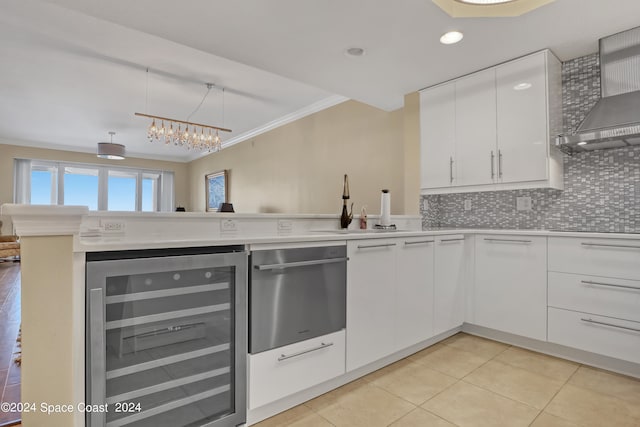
{"points": [[74, 69]]}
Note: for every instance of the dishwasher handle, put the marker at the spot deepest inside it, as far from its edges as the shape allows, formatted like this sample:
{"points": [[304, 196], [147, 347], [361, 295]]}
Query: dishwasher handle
{"points": [[300, 264]]}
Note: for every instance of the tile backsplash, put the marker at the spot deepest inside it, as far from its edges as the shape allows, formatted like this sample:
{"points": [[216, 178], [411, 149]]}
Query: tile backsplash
{"points": [[602, 188]]}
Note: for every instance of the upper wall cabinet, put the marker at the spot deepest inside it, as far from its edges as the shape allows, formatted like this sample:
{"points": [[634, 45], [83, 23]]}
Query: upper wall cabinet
{"points": [[492, 130]]}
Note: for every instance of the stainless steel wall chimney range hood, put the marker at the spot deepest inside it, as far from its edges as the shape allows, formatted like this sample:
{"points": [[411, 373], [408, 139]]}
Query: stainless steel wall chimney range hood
{"points": [[615, 119]]}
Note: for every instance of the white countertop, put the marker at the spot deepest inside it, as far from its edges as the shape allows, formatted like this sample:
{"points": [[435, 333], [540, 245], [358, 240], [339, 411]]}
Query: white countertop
{"points": [[173, 230]]}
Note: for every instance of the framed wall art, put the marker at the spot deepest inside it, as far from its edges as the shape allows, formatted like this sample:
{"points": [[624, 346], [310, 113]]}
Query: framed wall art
{"points": [[216, 186]]}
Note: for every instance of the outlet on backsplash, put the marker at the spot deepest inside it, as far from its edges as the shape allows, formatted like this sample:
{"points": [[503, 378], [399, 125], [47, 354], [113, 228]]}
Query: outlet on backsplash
{"points": [[467, 205], [523, 203]]}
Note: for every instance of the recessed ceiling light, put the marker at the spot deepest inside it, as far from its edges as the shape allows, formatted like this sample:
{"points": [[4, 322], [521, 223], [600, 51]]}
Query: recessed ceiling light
{"points": [[522, 86], [355, 51], [582, 143], [485, 2], [451, 37]]}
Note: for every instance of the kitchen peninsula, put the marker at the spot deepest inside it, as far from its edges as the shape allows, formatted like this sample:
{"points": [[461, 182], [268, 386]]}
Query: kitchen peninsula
{"points": [[437, 282]]}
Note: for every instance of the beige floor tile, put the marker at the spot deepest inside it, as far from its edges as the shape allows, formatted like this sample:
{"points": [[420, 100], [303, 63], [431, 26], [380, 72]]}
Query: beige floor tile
{"points": [[298, 413], [477, 345], [335, 396], [469, 406], [589, 408], [390, 369], [422, 353], [421, 418], [311, 420], [451, 361], [367, 406], [615, 385], [538, 363], [515, 383], [414, 382], [548, 420]]}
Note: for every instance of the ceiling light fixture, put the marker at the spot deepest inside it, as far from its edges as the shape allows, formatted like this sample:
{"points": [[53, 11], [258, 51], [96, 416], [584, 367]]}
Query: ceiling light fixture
{"points": [[485, 2], [195, 136], [355, 51], [109, 150], [451, 37]]}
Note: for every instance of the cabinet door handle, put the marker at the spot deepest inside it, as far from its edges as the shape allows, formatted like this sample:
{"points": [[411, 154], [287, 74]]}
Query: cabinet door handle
{"points": [[418, 242], [384, 245], [611, 285], [493, 173], [452, 240], [610, 324], [499, 163], [611, 246], [507, 240], [299, 264], [450, 170], [300, 353]]}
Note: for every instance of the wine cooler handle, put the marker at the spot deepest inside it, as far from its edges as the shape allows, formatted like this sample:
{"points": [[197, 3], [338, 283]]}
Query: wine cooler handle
{"points": [[98, 368]]}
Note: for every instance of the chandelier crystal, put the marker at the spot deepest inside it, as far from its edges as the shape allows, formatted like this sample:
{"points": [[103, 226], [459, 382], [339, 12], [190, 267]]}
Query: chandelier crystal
{"points": [[194, 136]]}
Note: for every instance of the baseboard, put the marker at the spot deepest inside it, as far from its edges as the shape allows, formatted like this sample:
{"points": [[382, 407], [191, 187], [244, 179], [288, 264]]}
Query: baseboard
{"points": [[587, 358]]}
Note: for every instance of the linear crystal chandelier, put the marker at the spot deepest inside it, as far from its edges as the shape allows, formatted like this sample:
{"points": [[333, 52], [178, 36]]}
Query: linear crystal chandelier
{"points": [[184, 133]]}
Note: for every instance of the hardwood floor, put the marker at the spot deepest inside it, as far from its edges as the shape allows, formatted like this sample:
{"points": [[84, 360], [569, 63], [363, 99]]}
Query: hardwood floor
{"points": [[9, 328]]}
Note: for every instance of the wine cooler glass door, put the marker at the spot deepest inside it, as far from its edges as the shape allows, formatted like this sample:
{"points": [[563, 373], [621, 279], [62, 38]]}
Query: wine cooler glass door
{"points": [[166, 340]]}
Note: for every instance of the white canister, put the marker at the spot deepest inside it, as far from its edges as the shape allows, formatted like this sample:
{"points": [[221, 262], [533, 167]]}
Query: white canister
{"points": [[385, 208]]}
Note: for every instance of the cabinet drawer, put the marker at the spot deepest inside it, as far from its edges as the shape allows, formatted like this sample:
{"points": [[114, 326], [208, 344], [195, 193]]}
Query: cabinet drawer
{"points": [[599, 295], [610, 337], [595, 257], [280, 372]]}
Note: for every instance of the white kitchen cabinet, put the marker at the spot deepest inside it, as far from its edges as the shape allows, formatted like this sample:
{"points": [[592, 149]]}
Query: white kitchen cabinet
{"points": [[522, 135], [437, 136], [598, 334], [414, 291], [510, 289], [451, 267], [475, 128], [505, 119], [594, 295], [371, 272], [283, 371]]}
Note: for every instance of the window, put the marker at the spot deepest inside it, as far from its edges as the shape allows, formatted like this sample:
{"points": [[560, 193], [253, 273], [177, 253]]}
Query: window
{"points": [[96, 186], [80, 187]]}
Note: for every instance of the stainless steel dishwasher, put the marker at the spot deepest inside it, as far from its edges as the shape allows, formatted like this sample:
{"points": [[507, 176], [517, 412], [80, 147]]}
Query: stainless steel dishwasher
{"points": [[296, 294]]}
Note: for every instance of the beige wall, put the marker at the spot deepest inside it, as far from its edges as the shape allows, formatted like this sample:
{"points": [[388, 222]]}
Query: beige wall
{"points": [[411, 114], [10, 152], [299, 167]]}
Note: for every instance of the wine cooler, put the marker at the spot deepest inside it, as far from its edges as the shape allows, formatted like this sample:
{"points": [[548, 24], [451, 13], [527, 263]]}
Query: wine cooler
{"points": [[166, 337]]}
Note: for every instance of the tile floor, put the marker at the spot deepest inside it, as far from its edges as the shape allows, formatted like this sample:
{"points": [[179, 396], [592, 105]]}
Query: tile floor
{"points": [[469, 381], [9, 326]]}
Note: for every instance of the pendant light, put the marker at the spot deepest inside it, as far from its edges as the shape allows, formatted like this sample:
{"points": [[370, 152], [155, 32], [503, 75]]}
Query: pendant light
{"points": [[110, 150]]}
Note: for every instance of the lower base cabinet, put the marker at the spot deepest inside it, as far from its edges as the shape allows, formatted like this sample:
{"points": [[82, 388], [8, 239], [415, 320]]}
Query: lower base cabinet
{"points": [[451, 273], [510, 291], [283, 371], [598, 334]]}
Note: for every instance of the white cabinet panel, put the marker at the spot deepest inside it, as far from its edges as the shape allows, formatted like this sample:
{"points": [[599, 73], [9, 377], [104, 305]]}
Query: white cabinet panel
{"points": [[609, 336], [510, 291], [475, 127], [449, 283], [414, 291], [371, 271], [437, 136], [503, 122], [618, 258], [592, 294], [523, 137], [283, 371]]}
